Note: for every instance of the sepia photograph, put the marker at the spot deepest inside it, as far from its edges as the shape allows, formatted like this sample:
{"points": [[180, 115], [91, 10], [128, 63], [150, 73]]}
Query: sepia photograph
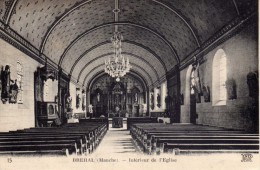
{"points": [[129, 84]]}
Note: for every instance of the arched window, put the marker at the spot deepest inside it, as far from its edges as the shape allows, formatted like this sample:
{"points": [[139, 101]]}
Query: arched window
{"points": [[219, 77], [19, 70]]}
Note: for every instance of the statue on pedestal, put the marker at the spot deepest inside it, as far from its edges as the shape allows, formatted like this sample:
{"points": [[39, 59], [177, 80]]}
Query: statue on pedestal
{"points": [[158, 100], [13, 92]]}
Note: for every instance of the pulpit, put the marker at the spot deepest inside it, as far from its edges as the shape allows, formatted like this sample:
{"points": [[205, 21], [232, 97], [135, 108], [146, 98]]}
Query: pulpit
{"points": [[117, 122], [46, 113]]}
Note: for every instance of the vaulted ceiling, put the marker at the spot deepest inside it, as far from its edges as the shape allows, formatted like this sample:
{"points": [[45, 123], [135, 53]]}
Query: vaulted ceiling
{"points": [[158, 34]]}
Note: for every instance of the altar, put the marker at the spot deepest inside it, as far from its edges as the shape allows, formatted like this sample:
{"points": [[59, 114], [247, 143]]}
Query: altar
{"points": [[117, 122]]}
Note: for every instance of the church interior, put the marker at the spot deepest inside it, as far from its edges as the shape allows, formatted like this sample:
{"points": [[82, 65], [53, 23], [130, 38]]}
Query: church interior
{"points": [[162, 76]]}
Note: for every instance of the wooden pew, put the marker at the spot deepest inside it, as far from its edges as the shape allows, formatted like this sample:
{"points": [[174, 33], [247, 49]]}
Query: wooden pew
{"points": [[64, 148], [154, 137], [133, 120], [45, 140], [36, 140], [209, 148], [99, 120], [93, 133], [86, 135]]}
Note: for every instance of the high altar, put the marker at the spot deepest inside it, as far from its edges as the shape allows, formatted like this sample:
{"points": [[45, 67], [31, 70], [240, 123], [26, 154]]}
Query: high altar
{"points": [[118, 99]]}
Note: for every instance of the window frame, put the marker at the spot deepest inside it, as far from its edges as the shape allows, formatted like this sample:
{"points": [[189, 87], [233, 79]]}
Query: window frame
{"points": [[219, 77]]}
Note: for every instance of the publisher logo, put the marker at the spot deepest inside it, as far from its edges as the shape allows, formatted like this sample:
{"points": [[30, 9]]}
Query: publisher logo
{"points": [[247, 157]]}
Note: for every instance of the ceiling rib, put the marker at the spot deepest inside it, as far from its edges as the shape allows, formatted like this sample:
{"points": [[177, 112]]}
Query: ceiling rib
{"points": [[118, 23], [9, 14], [103, 43], [79, 4], [151, 80], [104, 55], [86, 52], [155, 33], [149, 50], [143, 71], [235, 4]]}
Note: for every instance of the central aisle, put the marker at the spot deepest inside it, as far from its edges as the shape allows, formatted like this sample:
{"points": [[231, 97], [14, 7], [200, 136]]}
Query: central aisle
{"points": [[117, 142]]}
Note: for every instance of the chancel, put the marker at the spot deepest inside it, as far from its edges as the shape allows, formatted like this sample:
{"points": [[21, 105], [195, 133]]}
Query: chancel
{"points": [[160, 76]]}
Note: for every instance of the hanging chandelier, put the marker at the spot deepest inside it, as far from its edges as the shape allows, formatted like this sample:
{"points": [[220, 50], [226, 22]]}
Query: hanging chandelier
{"points": [[117, 66]]}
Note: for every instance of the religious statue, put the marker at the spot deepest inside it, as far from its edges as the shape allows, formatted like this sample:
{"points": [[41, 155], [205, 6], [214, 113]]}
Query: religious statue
{"points": [[83, 103], [83, 100], [152, 101], [77, 101], [197, 77], [117, 111], [13, 92], [158, 100], [136, 97], [98, 97], [90, 109], [195, 82], [5, 80], [69, 103]]}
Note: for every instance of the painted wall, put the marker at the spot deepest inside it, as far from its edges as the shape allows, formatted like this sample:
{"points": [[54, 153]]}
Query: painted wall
{"points": [[18, 116], [242, 57]]}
